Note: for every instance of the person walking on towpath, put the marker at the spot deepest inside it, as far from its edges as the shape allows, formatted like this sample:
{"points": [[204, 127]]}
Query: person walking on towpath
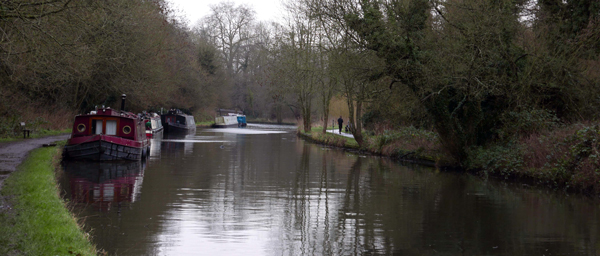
{"points": [[340, 122]]}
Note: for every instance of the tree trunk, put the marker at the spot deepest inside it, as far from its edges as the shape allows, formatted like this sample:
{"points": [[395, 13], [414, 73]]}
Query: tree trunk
{"points": [[306, 118], [326, 118], [357, 127], [326, 103]]}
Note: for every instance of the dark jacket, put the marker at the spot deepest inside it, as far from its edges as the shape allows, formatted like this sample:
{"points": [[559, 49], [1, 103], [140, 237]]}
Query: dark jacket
{"points": [[340, 121]]}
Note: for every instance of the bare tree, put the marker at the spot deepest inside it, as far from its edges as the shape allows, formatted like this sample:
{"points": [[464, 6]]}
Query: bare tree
{"points": [[229, 27]]}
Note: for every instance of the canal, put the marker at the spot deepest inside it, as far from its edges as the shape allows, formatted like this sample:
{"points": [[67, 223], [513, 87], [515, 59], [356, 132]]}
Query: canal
{"points": [[263, 191]]}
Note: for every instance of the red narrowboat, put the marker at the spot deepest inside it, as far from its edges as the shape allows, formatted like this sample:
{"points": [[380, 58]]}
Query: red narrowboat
{"points": [[107, 134]]}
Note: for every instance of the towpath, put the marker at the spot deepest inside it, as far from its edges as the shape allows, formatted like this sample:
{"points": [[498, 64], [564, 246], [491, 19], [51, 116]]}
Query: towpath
{"points": [[13, 153], [337, 132]]}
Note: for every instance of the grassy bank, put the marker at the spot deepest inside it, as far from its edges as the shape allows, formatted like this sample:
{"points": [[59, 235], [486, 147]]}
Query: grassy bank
{"points": [[269, 121], [316, 135], [37, 222], [205, 124], [409, 144]]}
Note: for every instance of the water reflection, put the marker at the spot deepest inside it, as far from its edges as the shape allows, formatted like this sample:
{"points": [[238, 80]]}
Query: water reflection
{"points": [[155, 147], [104, 184], [229, 193]]}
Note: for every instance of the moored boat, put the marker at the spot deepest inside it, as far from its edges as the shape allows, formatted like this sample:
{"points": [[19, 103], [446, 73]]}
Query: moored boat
{"points": [[176, 121], [107, 134], [232, 118], [153, 124]]}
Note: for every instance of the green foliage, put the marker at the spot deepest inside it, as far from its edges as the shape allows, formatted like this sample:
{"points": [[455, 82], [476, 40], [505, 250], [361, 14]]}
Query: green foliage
{"points": [[330, 139], [561, 159], [405, 134], [526, 122], [474, 68], [9, 127], [584, 150], [499, 159]]}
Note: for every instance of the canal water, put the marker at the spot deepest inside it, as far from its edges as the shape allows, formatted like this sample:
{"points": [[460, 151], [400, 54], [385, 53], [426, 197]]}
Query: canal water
{"points": [[263, 191]]}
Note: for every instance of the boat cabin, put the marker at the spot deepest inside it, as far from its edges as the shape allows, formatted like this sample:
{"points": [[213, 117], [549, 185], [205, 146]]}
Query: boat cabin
{"points": [[111, 122]]}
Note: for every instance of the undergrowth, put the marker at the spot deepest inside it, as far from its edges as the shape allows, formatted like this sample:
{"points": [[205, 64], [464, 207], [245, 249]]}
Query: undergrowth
{"points": [[567, 157]]}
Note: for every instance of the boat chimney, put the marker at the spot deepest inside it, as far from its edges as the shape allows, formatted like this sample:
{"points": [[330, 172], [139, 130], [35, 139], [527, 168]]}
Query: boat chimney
{"points": [[123, 102]]}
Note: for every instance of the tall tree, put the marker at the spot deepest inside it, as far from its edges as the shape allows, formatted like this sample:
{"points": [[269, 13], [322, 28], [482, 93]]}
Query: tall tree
{"points": [[229, 27]]}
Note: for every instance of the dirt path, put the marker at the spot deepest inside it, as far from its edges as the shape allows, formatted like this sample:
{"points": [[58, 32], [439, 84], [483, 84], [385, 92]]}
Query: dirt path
{"points": [[13, 153]]}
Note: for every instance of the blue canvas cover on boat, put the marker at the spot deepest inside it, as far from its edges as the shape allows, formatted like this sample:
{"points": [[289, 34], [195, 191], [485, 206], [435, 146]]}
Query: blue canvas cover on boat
{"points": [[241, 119]]}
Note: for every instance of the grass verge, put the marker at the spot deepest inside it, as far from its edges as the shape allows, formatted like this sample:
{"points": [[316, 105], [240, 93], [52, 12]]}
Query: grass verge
{"points": [[37, 223], [407, 144], [205, 124], [269, 121]]}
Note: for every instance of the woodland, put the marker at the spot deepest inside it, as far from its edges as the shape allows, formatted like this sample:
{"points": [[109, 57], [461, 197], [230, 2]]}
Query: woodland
{"points": [[509, 86]]}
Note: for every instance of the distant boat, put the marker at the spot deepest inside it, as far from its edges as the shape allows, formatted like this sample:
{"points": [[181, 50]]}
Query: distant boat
{"points": [[176, 121], [153, 125], [108, 134], [231, 118]]}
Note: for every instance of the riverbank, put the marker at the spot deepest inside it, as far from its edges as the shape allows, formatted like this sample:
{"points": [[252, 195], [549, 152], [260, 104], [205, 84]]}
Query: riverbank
{"points": [[564, 158], [205, 124], [409, 145], [33, 216], [268, 121]]}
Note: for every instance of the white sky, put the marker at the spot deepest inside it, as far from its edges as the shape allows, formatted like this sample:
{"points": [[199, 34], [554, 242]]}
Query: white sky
{"points": [[193, 10]]}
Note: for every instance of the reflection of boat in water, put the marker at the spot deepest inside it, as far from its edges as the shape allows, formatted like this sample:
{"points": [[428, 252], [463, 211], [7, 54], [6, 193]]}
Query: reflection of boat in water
{"points": [[155, 147], [104, 183], [231, 118], [175, 143]]}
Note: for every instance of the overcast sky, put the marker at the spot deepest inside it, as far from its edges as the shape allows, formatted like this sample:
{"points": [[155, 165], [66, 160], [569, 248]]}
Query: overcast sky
{"points": [[266, 10]]}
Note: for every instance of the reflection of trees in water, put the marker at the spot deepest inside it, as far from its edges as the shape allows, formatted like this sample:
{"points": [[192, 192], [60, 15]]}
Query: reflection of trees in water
{"points": [[103, 183], [384, 209], [412, 212]]}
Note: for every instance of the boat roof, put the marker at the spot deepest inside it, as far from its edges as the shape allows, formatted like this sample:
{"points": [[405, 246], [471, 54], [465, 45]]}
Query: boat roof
{"points": [[111, 112]]}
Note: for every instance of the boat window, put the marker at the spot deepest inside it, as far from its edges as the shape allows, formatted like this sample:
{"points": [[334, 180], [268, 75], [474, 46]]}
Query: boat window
{"points": [[97, 126], [111, 127], [181, 120]]}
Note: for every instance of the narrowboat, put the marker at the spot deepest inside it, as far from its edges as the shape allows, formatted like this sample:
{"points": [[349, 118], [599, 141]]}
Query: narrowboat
{"points": [[176, 121], [153, 124], [107, 134], [231, 119]]}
